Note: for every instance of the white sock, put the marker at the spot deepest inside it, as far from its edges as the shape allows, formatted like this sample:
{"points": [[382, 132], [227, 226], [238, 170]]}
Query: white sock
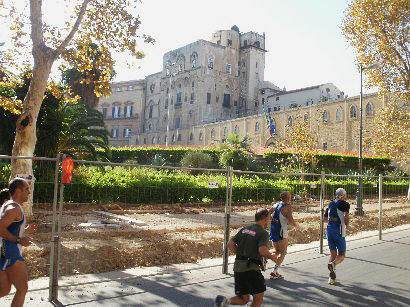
{"points": [[276, 268]]}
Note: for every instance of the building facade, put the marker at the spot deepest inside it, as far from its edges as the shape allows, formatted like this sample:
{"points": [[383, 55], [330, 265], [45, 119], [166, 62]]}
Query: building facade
{"points": [[335, 125], [207, 90]]}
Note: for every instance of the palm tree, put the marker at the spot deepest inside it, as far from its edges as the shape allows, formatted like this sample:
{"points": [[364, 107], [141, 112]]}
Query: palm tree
{"points": [[83, 133]]}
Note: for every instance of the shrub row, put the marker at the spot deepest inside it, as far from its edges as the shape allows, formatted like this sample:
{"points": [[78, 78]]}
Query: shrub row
{"points": [[142, 186], [271, 160], [172, 155], [331, 161]]}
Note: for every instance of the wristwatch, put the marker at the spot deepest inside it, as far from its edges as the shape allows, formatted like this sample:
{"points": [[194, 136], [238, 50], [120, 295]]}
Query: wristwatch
{"points": [[18, 240]]}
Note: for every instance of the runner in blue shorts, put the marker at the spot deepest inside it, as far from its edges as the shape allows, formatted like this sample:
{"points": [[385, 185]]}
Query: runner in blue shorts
{"points": [[12, 226], [337, 218], [281, 217]]}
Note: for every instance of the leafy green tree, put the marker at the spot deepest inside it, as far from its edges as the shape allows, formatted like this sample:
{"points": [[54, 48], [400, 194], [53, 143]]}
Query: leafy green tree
{"points": [[235, 152], [113, 25], [197, 159]]}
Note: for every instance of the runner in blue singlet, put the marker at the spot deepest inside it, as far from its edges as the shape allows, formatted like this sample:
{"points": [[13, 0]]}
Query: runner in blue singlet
{"points": [[12, 226], [337, 218], [281, 217]]}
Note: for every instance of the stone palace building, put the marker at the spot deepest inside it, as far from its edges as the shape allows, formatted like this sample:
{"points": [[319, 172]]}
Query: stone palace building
{"points": [[209, 89]]}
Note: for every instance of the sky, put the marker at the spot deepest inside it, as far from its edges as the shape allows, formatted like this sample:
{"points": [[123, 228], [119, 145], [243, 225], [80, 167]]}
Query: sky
{"points": [[303, 37]]}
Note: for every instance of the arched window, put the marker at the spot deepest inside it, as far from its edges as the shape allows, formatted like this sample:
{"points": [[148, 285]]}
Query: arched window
{"points": [[153, 140], [194, 59], [191, 136], [369, 109], [353, 112], [325, 116], [212, 134], [200, 136], [158, 140], [257, 126], [211, 62], [179, 137], [339, 114], [236, 129], [165, 139], [290, 121], [225, 131], [173, 138], [306, 117]]}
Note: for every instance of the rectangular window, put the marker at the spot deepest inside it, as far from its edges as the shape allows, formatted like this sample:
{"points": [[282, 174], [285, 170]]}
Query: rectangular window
{"points": [[151, 110], [227, 101], [277, 98], [116, 111], [114, 133], [118, 89], [177, 122], [179, 98], [128, 111], [208, 98], [211, 63], [228, 68], [166, 103], [130, 88], [324, 146], [104, 112], [192, 97], [243, 74], [127, 132], [235, 103]]}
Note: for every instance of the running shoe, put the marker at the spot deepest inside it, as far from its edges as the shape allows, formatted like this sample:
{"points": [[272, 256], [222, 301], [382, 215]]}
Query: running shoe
{"points": [[331, 266], [332, 281], [220, 301], [275, 275]]}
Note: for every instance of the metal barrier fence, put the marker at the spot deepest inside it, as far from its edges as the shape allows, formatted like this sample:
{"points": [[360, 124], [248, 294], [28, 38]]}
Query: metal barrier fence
{"points": [[43, 201], [116, 215]]}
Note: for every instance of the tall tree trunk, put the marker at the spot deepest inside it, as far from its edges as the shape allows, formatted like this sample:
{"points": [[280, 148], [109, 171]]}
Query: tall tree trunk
{"points": [[25, 141]]}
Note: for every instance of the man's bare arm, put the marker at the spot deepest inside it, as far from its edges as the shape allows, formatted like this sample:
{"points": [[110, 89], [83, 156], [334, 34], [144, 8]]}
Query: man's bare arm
{"points": [[287, 212], [264, 252], [347, 218], [232, 246]]}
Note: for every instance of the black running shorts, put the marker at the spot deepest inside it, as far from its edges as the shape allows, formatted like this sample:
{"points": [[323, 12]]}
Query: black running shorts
{"points": [[249, 282]]}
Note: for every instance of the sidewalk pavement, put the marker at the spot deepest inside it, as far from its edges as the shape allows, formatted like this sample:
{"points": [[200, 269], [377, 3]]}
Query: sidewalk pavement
{"points": [[374, 273]]}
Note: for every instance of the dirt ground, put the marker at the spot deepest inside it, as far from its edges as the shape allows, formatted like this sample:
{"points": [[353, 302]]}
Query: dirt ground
{"points": [[172, 234]]}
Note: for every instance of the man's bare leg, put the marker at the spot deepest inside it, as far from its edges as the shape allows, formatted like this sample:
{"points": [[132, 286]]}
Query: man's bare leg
{"points": [[281, 248], [18, 277], [239, 300], [257, 299], [5, 285]]}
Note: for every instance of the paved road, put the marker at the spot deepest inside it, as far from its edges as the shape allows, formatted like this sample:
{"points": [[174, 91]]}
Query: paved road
{"points": [[375, 273]]}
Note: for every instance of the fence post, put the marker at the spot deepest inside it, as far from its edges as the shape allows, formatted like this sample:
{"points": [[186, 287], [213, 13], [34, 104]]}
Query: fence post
{"points": [[52, 289], [227, 219], [322, 195], [380, 204]]}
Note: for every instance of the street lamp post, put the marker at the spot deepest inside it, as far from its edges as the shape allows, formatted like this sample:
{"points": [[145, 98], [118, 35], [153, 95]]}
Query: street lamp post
{"points": [[359, 199]]}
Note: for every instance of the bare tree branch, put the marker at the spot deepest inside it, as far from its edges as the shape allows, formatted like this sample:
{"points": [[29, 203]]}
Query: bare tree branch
{"points": [[36, 20], [74, 29]]}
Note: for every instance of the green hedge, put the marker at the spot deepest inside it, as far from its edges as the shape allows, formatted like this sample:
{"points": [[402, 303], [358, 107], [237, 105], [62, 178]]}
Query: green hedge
{"points": [[172, 155], [336, 162], [272, 161], [140, 186]]}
